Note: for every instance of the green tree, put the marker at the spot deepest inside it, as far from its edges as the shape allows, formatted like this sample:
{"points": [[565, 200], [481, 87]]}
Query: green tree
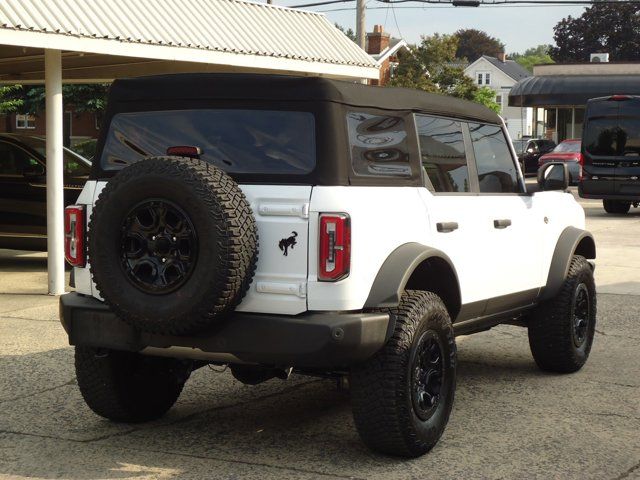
{"points": [[84, 98], [432, 66], [472, 44], [487, 97], [348, 32], [8, 101], [533, 56], [604, 27]]}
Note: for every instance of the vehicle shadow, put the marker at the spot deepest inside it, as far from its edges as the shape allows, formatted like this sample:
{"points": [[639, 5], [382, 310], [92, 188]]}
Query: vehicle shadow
{"points": [[22, 261], [303, 425]]}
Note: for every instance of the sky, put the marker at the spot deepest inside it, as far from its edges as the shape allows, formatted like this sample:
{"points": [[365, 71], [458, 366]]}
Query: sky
{"points": [[518, 27]]}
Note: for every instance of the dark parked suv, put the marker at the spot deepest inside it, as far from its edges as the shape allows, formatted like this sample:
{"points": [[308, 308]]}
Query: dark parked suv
{"points": [[611, 152]]}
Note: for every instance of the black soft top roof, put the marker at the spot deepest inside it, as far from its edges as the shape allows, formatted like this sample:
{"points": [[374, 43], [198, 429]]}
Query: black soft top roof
{"points": [[231, 86]]}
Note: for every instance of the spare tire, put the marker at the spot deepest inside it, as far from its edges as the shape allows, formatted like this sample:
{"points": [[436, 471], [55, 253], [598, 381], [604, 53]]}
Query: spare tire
{"points": [[173, 245]]}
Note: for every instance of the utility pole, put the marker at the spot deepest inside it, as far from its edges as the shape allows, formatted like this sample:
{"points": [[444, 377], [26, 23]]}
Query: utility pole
{"points": [[360, 24]]}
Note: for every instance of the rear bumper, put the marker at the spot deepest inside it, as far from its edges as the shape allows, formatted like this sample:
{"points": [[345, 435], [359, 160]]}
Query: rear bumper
{"points": [[311, 340]]}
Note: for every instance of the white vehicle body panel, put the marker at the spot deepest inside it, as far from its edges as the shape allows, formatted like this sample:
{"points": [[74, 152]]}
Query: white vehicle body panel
{"points": [[382, 219], [489, 262], [279, 284]]}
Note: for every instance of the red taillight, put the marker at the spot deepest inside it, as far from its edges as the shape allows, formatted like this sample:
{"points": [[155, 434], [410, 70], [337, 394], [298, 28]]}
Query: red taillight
{"points": [[581, 163], [184, 151], [74, 235], [335, 247], [619, 98]]}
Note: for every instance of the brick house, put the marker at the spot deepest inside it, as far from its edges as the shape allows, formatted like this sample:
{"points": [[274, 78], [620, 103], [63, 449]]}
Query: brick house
{"points": [[78, 127], [384, 50]]}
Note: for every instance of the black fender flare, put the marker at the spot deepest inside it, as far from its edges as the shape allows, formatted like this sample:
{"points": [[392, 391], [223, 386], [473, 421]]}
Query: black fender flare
{"points": [[396, 271], [572, 240]]}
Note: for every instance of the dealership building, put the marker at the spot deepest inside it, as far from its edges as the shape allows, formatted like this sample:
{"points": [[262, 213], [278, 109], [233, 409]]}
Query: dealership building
{"points": [[558, 93]]}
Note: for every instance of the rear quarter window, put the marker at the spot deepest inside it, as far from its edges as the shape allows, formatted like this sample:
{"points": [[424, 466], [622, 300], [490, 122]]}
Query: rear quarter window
{"points": [[379, 145], [237, 141]]}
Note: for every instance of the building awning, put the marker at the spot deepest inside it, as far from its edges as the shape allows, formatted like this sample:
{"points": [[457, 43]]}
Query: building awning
{"points": [[107, 39], [565, 90]]}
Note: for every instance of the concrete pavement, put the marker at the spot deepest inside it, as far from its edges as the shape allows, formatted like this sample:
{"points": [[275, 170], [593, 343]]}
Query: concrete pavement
{"points": [[509, 420]]}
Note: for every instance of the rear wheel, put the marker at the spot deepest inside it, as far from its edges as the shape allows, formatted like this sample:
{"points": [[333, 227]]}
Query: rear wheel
{"points": [[127, 386], [402, 397], [616, 206]]}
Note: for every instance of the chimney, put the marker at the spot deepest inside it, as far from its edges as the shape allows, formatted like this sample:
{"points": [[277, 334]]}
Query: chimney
{"points": [[377, 41], [501, 56]]}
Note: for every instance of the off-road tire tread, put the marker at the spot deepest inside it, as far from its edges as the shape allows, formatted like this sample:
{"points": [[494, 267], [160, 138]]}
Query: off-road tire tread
{"points": [[382, 416], [118, 386], [237, 233], [550, 335]]}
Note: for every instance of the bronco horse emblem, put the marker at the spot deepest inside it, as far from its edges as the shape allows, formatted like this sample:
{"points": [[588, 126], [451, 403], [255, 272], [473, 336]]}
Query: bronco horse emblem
{"points": [[285, 243]]}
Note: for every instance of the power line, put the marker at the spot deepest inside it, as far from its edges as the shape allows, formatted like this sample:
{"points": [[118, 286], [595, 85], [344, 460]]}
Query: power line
{"points": [[433, 7], [485, 3]]}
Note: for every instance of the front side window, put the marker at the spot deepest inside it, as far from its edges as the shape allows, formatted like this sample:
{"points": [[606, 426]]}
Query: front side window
{"points": [[378, 145], [443, 155], [14, 161], [496, 168], [237, 141]]}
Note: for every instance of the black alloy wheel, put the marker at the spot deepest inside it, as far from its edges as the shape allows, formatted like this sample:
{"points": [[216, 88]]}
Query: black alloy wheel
{"points": [[159, 246], [428, 371], [581, 315]]}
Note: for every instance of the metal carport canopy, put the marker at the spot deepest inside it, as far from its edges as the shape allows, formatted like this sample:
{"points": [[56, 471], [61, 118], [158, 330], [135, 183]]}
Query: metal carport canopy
{"points": [[89, 41], [564, 90]]}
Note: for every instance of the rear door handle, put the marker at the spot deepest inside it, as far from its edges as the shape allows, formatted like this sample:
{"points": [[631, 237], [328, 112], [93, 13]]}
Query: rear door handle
{"points": [[446, 227], [503, 223]]}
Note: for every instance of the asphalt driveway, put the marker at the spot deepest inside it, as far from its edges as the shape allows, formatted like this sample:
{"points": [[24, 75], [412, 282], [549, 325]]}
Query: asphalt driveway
{"points": [[509, 419]]}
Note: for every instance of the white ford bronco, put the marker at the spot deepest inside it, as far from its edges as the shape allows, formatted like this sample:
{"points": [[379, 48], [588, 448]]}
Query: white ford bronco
{"points": [[277, 224]]}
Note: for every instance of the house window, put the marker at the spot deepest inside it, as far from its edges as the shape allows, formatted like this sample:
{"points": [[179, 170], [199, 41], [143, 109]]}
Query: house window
{"points": [[483, 78], [499, 100], [27, 121]]}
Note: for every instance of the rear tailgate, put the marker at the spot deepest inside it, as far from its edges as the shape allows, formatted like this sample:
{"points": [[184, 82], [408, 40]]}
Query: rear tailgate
{"points": [[599, 149], [280, 281], [627, 178]]}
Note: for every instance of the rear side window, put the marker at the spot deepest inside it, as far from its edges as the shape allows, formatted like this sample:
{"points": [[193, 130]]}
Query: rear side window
{"points": [[496, 168], [379, 145], [237, 141], [443, 155]]}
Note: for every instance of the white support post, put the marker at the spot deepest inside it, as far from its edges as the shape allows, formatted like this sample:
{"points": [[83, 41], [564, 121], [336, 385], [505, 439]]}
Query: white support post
{"points": [[55, 183]]}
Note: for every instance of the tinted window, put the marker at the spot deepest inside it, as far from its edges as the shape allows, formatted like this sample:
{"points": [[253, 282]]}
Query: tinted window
{"points": [[443, 155], [378, 144], [74, 165], [568, 147], [496, 168], [519, 146], [14, 160], [601, 136], [237, 141], [629, 136]]}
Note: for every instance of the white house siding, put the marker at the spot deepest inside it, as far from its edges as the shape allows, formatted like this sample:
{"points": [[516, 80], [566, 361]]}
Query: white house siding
{"points": [[519, 121]]}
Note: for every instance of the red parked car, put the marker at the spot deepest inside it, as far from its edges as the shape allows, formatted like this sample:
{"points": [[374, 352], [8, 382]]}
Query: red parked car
{"points": [[566, 151]]}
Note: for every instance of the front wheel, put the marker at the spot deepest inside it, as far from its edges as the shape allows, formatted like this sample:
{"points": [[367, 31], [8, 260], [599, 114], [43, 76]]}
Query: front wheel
{"points": [[616, 206], [561, 330], [127, 386], [402, 397]]}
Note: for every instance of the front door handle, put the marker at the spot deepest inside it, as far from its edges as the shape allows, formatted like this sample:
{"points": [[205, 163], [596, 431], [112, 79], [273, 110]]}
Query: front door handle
{"points": [[446, 227], [503, 223]]}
